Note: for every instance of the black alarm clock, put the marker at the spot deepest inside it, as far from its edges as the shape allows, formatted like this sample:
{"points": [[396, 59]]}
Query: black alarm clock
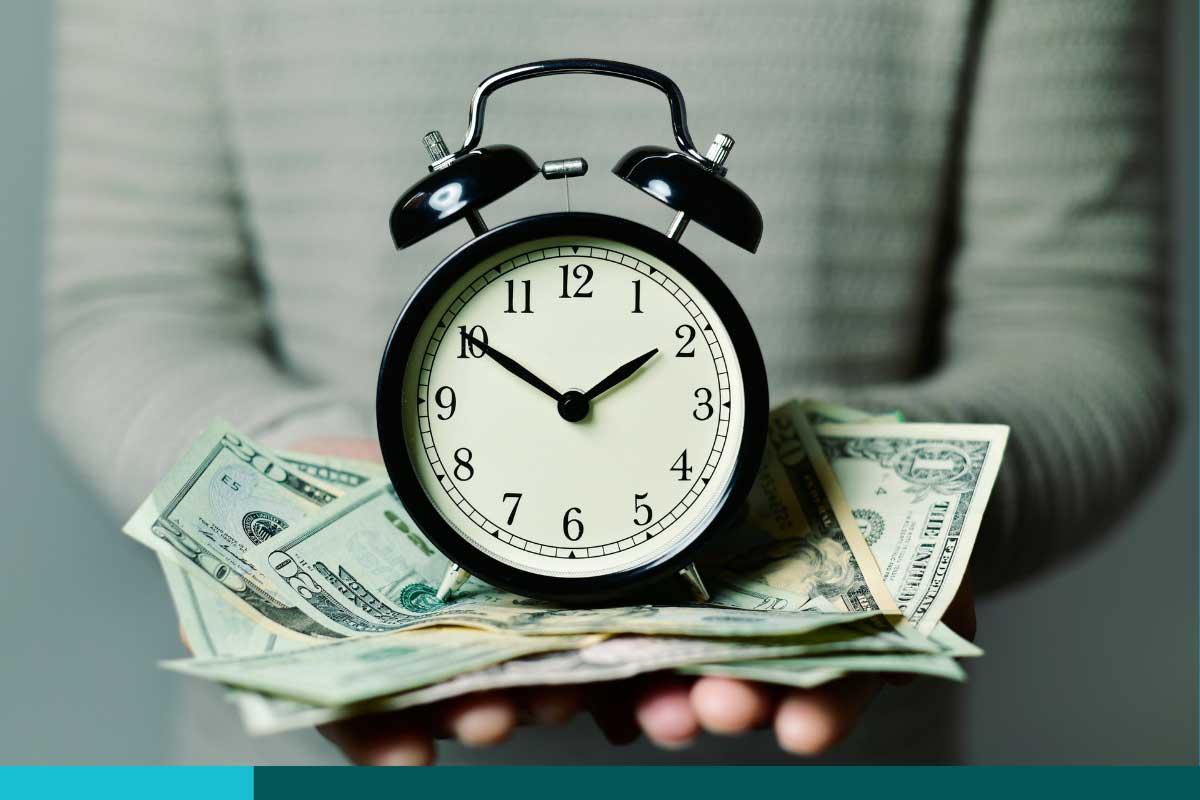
{"points": [[571, 404]]}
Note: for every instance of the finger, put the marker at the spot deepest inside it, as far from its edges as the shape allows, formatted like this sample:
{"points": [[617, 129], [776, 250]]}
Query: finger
{"points": [[811, 721], [552, 705], [359, 449], [611, 707], [479, 720], [664, 711], [728, 706], [386, 740]]}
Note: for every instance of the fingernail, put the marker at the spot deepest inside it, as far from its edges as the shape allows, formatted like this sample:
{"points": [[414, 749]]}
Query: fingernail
{"points": [[676, 744]]}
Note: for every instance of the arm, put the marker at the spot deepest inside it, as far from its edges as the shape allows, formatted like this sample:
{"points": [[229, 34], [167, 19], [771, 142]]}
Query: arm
{"points": [[154, 321], [1054, 314]]}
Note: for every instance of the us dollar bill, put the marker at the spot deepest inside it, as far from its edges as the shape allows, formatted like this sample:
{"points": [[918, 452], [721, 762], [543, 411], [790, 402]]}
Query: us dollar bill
{"points": [[352, 671], [349, 670], [367, 553], [800, 547], [212, 627], [338, 473], [215, 629], [223, 498], [918, 493]]}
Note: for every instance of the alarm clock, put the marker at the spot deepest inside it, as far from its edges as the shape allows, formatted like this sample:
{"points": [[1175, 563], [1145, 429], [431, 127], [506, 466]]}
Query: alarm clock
{"points": [[571, 404]]}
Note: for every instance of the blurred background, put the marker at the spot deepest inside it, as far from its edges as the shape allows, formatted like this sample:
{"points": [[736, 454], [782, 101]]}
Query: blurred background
{"points": [[1069, 676]]}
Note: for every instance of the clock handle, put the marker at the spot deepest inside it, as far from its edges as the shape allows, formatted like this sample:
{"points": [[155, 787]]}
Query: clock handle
{"points": [[591, 66]]}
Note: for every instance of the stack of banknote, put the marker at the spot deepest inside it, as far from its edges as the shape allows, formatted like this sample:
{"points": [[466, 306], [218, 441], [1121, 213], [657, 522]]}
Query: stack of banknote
{"points": [[302, 585]]}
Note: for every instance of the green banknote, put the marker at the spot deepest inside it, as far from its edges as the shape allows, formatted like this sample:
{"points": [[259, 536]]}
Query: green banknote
{"points": [[350, 671], [224, 497], [800, 547], [918, 492], [367, 553]]}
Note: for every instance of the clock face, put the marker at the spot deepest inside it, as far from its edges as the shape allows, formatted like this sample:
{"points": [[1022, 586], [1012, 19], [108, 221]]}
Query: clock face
{"points": [[601, 481], [570, 407]]}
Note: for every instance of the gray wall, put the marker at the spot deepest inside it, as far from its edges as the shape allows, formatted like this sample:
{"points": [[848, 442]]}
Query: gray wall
{"points": [[1095, 663]]}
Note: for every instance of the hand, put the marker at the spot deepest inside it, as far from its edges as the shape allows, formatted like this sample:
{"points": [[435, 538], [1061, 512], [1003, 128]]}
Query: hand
{"points": [[619, 374], [406, 738], [673, 710], [513, 366]]}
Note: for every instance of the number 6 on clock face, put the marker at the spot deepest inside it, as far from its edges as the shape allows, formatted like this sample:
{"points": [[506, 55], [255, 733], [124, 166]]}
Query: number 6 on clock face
{"points": [[579, 400]]}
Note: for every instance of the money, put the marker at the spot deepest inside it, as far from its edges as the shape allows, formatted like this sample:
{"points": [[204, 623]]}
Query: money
{"points": [[224, 497], [302, 584], [365, 551], [801, 547], [349, 670], [612, 659], [918, 492]]}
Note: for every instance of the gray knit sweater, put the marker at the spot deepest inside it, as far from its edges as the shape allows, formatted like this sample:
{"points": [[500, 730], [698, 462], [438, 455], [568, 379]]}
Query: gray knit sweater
{"points": [[962, 209]]}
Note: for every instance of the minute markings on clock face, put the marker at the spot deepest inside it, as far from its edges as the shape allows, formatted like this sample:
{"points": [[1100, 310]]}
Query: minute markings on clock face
{"points": [[505, 465]]}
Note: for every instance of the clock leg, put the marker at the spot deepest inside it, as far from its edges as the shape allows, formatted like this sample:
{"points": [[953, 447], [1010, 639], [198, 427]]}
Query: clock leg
{"points": [[692, 576], [453, 580]]}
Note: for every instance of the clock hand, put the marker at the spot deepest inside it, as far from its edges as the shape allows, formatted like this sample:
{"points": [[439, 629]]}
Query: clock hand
{"points": [[513, 367], [619, 374]]}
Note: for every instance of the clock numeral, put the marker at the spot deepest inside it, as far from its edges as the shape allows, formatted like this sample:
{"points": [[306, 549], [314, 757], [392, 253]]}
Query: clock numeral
{"points": [[582, 273], [512, 297], [681, 466], [704, 395], [463, 470], [639, 507], [469, 349], [637, 297], [688, 334], [573, 528], [447, 405], [516, 498]]}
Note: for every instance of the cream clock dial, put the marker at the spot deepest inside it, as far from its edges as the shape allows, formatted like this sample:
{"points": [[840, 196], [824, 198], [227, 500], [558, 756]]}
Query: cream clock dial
{"points": [[527, 446]]}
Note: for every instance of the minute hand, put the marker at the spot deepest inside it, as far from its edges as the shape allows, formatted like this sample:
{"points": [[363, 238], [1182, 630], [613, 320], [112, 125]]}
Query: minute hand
{"points": [[513, 367], [619, 374]]}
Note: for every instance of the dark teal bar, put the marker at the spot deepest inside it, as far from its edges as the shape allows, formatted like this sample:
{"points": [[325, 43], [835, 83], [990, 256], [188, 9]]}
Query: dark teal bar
{"points": [[731, 783]]}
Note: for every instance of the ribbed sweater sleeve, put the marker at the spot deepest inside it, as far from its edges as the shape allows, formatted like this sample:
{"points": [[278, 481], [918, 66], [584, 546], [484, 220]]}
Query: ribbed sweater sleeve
{"points": [[154, 321], [1054, 312]]}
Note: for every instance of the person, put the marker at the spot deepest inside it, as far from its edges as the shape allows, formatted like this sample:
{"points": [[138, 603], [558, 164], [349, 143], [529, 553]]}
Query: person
{"points": [[963, 220]]}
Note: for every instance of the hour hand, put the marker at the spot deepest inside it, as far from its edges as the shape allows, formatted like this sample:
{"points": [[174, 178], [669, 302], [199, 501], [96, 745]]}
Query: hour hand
{"points": [[512, 366], [619, 374]]}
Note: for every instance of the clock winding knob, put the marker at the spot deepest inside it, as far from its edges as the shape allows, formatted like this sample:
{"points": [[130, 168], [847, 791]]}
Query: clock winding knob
{"points": [[718, 151], [439, 157]]}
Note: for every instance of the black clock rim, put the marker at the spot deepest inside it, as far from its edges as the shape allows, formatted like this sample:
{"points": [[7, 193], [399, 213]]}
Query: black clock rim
{"points": [[389, 412]]}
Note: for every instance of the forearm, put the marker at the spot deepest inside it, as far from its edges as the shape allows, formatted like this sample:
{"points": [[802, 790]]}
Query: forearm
{"points": [[125, 402], [1090, 422], [154, 319]]}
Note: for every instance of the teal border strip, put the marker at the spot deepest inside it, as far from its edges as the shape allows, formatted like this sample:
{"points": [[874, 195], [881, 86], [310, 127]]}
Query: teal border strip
{"points": [[128, 783], [605, 783]]}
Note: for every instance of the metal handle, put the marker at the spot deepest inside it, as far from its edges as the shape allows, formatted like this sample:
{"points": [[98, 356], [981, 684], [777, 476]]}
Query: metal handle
{"points": [[593, 66]]}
